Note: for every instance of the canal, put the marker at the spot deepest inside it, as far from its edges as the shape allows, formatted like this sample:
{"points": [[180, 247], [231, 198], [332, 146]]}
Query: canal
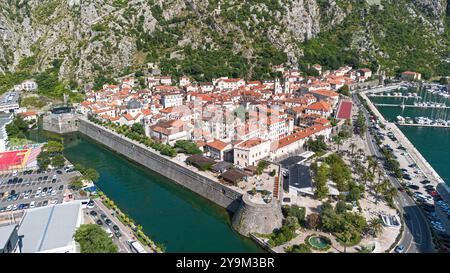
{"points": [[168, 213]]}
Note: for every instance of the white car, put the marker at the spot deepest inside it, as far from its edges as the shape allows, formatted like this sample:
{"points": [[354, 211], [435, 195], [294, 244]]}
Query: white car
{"points": [[8, 208], [15, 173], [37, 194], [53, 192], [14, 207], [53, 202], [33, 204]]}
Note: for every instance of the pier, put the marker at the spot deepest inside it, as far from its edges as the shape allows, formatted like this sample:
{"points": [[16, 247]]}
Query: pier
{"points": [[385, 88], [423, 125], [394, 96], [411, 106]]}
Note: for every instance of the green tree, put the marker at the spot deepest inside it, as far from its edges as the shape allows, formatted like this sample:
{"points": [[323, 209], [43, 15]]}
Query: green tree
{"points": [[314, 221], [338, 141], [76, 183], [138, 128], [58, 161], [321, 179], [93, 239], [346, 236], [317, 145], [344, 90], [91, 174], [43, 160], [372, 162], [53, 147], [352, 147], [301, 248], [375, 226], [341, 207], [295, 211]]}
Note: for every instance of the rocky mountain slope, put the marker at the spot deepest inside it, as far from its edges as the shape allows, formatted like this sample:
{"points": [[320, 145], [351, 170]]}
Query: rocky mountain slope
{"points": [[92, 39]]}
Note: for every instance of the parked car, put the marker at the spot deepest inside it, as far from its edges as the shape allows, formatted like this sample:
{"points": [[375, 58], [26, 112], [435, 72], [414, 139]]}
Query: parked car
{"points": [[90, 204], [32, 204], [414, 187], [99, 222], [93, 213], [108, 221], [399, 249]]}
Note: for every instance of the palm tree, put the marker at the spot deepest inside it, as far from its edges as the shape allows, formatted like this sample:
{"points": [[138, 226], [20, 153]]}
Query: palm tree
{"points": [[372, 163], [346, 236], [390, 193], [352, 146], [378, 189], [376, 226], [338, 141], [360, 151]]}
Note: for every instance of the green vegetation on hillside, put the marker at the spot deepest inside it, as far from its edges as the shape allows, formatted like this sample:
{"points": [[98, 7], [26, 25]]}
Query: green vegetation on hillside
{"points": [[405, 42]]}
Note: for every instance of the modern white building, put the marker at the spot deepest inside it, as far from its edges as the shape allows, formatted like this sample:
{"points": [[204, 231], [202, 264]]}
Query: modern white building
{"points": [[50, 229], [28, 85]]}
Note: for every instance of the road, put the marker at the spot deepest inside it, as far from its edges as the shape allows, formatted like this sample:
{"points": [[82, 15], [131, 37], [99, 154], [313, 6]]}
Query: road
{"points": [[416, 236], [121, 242]]}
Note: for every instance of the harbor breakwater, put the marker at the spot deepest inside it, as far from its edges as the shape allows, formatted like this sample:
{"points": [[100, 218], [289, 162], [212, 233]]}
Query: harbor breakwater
{"points": [[247, 217]]}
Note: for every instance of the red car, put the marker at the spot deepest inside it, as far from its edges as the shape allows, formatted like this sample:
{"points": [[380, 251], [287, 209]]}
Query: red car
{"points": [[401, 189], [434, 193]]}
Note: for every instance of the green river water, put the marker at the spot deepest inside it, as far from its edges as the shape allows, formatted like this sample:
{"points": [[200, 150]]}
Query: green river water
{"points": [[168, 213]]}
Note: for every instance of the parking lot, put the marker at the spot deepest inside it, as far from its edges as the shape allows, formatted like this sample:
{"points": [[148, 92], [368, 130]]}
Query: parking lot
{"points": [[25, 189], [422, 190]]}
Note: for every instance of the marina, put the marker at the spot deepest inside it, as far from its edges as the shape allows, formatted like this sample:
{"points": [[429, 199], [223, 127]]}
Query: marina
{"points": [[425, 153], [415, 155]]}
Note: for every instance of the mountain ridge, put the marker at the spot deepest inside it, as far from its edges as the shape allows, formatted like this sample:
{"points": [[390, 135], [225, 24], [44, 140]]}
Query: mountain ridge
{"points": [[88, 40]]}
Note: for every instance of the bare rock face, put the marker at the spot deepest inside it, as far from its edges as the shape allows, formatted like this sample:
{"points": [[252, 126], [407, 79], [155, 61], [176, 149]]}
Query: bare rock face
{"points": [[435, 9], [98, 37], [302, 19]]}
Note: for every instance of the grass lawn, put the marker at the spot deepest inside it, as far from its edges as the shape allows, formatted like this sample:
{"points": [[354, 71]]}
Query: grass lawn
{"points": [[19, 141]]}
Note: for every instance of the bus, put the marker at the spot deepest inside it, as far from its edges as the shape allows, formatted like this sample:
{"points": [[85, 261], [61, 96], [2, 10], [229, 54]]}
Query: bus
{"points": [[136, 247]]}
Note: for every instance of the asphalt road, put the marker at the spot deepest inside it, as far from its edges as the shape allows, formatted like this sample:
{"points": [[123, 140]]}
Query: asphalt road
{"points": [[121, 241], [416, 236]]}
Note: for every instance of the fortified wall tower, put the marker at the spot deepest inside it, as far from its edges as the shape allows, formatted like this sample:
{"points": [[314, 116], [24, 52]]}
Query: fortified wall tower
{"points": [[253, 217]]}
